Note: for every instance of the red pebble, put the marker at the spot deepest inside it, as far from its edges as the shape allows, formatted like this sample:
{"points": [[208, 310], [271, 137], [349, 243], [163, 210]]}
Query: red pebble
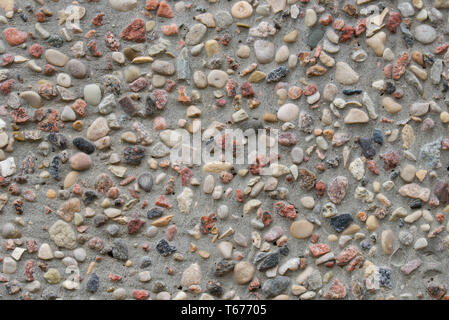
{"points": [[388, 71], [318, 249], [327, 20], [310, 89], [442, 49], [391, 160], [267, 218], [7, 59], [347, 33], [170, 29], [159, 123], [77, 190], [221, 102], [170, 232], [239, 195], [285, 209], [373, 167], [141, 294], [162, 202], [114, 277], [151, 5], [40, 16], [394, 19], [79, 106], [138, 84], [135, 31], [135, 225], [186, 176], [207, 223], [231, 88], [98, 20], [5, 86], [402, 62], [247, 89], [347, 255], [320, 187], [165, 10], [160, 98], [14, 37], [360, 27], [35, 50], [182, 97], [336, 291]]}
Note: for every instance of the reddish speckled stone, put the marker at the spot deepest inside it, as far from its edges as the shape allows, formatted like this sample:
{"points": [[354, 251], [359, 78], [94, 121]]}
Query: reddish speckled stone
{"points": [[393, 21], [35, 50], [7, 59], [318, 249], [346, 33], [284, 209], [135, 225], [391, 160], [247, 89], [141, 294], [336, 291], [347, 255], [14, 37], [373, 167], [135, 31], [207, 223], [360, 27], [79, 106], [165, 10], [186, 176], [5, 86], [310, 89]]}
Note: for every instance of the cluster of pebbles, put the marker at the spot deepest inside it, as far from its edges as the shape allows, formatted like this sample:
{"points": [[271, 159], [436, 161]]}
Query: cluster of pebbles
{"points": [[94, 93]]}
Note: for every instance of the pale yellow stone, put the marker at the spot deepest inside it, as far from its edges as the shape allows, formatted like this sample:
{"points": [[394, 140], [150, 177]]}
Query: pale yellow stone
{"points": [[444, 117], [421, 175], [241, 10], [211, 47], [129, 137], [390, 105], [140, 60], [216, 167], [408, 136], [149, 25], [418, 4], [163, 221], [301, 229], [291, 37], [420, 73], [376, 186], [70, 179], [257, 76], [203, 254], [372, 223], [387, 239], [376, 43], [353, 228]]}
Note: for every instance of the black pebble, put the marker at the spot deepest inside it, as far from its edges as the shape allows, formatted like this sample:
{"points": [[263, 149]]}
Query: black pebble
{"points": [[83, 145]]}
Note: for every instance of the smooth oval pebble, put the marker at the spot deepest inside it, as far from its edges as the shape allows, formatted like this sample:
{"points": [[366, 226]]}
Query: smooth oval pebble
{"points": [[145, 181], [288, 112], [301, 229], [241, 10], [80, 161]]}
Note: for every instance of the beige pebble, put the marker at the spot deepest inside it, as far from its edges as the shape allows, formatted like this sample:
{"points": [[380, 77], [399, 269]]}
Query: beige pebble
{"points": [[301, 229]]}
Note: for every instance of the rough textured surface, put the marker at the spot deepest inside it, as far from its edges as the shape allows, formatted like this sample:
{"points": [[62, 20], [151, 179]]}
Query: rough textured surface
{"points": [[374, 233]]}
